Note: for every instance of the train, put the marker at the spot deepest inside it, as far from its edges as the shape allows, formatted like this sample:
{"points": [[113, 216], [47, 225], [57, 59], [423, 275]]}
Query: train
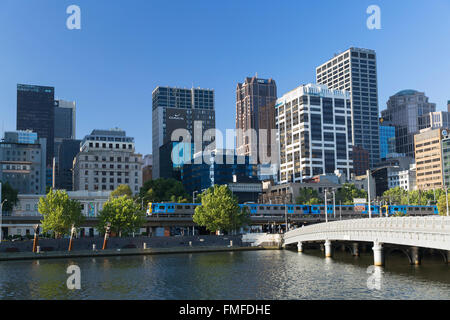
{"points": [[298, 210]]}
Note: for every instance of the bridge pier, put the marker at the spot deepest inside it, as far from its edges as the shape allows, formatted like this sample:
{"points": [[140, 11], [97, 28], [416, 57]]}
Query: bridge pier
{"points": [[299, 247], [416, 257], [355, 249], [328, 249], [378, 255]]}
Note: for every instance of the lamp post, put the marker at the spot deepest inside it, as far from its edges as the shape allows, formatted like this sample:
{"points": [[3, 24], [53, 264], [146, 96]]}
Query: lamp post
{"points": [[193, 196], [326, 206], [368, 193]]}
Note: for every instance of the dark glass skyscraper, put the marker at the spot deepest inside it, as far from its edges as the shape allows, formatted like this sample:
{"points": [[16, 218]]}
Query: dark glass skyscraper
{"points": [[355, 70], [36, 112]]}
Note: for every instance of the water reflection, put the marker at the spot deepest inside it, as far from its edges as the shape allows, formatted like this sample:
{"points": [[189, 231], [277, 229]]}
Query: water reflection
{"points": [[224, 275]]}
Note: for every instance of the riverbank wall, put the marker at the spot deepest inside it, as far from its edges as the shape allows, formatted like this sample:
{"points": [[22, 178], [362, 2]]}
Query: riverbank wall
{"points": [[58, 248]]}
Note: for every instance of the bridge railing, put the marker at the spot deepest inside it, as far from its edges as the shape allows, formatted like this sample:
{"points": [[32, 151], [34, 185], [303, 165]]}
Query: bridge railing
{"points": [[392, 224]]}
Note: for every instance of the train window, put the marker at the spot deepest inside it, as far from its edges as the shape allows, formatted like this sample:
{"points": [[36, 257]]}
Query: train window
{"points": [[417, 209], [187, 207], [322, 208], [275, 208], [298, 208], [429, 209]]}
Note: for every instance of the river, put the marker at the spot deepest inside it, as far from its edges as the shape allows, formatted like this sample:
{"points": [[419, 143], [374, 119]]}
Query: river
{"points": [[271, 274]]}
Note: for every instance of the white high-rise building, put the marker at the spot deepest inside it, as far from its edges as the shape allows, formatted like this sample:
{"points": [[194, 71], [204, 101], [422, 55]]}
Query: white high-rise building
{"points": [[314, 132], [106, 160]]}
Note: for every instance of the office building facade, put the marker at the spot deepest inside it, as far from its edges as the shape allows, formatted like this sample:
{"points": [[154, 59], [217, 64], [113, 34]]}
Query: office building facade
{"points": [[314, 132], [36, 112], [222, 167], [404, 110], [23, 162], [176, 108], [106, 160], [387, 140], [355, 70], [428, 157], [68, 150], [255, 109]]}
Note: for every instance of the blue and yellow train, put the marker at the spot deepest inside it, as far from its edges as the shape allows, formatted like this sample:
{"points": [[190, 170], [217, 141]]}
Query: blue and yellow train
{"points": [[295, 209]]}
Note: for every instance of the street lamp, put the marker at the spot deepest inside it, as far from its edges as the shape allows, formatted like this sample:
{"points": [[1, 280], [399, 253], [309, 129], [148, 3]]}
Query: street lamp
{"points": [[326, 206], [193, 196]]}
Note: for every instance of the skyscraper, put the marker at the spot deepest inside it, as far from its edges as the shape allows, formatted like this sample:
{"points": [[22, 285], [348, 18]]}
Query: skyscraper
{"points": [[355, 70], [35, 111], [404, 110], [176, 108], [255, 109]]}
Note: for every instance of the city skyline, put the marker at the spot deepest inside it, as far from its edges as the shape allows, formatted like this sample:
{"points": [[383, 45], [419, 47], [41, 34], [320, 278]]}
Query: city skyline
{"points": [[106, 66]]}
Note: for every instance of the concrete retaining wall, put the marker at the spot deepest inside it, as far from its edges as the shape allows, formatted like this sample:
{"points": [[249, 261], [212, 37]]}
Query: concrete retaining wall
{"points": [[83, 244]]}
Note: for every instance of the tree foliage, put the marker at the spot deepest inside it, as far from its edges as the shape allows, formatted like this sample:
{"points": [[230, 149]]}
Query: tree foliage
{"points": [[442, 205], [348, 192], [220, 210], [122, 190], [59, 212], [163, 190], [399, 196], [308, 196], [124, 215], [10, 195]]}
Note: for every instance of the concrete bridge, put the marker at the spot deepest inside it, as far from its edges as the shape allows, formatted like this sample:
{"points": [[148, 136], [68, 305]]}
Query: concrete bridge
{"points": [[409, 234]]}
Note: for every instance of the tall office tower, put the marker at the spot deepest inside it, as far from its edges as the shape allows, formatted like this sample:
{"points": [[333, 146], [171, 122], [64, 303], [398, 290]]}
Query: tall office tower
{"points": [[36, 112], [403, 111], [255, 109], [176, 108], [355, 70], [314, 132], [65, 119], [65, 123], [22, 161], [106, 160]]}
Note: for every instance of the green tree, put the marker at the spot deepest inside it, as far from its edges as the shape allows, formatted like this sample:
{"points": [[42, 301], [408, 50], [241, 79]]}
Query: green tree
{"points": [[348, 192], [10, 195], [442, 205], [122, 190], [395, 196], [308, 196], [163, 190], [123, 213], [59, 212], [220, 210]]}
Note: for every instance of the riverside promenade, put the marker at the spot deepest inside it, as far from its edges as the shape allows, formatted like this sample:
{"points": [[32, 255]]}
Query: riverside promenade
{"points": [[91, 247]]}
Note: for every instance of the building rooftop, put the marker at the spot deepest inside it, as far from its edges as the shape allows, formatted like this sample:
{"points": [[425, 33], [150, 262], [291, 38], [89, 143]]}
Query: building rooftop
{"points": [[406, 92]]}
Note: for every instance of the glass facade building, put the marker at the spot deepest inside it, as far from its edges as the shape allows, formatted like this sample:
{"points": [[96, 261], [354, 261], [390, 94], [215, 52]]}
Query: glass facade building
{"points": [[222, 167], [36, 112], [387, 140]]}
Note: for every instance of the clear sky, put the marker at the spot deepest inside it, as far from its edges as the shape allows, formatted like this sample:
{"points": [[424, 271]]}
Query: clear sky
{"points": [[126, 48]]}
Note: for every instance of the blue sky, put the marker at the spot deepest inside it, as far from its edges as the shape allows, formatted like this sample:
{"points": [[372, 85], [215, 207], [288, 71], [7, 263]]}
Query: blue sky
{"points": [[126, 48]]}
